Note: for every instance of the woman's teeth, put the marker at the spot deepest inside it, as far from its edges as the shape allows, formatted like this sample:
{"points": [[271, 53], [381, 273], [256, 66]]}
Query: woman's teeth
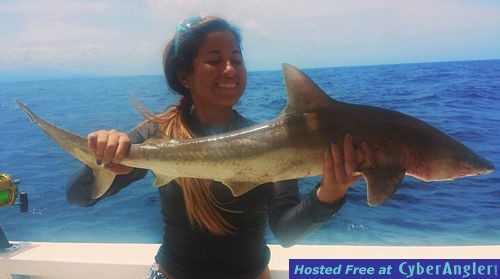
{"points": [[227, 85]]}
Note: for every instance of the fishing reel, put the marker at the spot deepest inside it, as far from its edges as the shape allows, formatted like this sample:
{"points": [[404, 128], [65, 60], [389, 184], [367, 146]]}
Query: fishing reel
{"points": [[9, 192], [8, 196]]}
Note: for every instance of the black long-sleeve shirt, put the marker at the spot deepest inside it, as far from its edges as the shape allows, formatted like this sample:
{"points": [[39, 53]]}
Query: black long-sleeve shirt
{"points": [[188, 252]]}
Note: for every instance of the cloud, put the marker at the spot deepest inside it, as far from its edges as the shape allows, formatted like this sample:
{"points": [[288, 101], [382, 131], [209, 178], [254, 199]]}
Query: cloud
{"points": [[128, 36], [326, 33], [76, 35]]}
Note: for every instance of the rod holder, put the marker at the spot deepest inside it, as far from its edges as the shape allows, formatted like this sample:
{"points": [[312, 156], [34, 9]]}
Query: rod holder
{"points": [[5, 245]]}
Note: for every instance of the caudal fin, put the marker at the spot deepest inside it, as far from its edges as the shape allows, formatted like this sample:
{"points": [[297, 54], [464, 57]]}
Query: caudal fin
{"points": [[77, 146]]}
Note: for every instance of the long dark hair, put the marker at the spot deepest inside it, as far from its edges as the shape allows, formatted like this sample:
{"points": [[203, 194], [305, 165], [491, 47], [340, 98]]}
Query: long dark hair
{"points": [[202, 208]]}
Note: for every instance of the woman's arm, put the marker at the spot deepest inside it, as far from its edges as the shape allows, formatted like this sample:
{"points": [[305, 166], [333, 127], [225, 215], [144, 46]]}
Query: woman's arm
{"points": [[291, 219]]}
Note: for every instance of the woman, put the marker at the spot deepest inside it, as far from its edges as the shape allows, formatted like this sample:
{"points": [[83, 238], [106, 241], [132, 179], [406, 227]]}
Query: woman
{"points": [[208, 232]]}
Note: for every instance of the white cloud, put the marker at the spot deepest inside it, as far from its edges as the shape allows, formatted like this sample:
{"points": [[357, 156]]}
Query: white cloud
{"points": [[128, 36]]}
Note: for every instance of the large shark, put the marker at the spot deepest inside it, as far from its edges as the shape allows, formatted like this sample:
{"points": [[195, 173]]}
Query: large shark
{"points": [[292, 146]]}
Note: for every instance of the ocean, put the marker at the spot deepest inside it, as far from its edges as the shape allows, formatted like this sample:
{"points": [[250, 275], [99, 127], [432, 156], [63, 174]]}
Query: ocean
{"points": [[460, 98]]}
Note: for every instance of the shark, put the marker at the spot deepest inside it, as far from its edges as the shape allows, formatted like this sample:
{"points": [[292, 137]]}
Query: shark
{"points": [[292, 145]]}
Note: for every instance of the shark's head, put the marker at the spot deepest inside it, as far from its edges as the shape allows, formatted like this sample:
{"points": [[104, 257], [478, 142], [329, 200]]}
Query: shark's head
{"points": [[457, 161], [470, 164]]}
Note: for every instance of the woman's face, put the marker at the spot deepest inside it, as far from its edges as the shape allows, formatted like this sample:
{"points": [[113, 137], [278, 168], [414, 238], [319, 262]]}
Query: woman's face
{"points": [[219, 75]]}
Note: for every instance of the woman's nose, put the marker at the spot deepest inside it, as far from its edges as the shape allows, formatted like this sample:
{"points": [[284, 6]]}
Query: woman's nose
{"points": [[229, 68]]}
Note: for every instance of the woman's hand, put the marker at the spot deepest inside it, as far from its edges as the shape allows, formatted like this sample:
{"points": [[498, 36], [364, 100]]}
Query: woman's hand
{"points": [[109, 148], [339, 170]]}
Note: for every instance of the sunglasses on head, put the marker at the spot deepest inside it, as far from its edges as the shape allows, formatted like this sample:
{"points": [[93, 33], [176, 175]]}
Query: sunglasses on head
{"points": [[185, 26]]}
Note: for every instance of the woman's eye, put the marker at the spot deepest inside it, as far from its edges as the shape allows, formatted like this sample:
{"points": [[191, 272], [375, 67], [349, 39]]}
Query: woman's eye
{"points": [[213, 62]]}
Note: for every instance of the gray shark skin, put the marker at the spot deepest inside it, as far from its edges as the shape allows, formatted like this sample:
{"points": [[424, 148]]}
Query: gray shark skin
{"points": [[292, 146]]}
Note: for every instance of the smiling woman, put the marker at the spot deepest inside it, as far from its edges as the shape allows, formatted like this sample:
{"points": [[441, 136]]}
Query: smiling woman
{"points": [[209, 233]]}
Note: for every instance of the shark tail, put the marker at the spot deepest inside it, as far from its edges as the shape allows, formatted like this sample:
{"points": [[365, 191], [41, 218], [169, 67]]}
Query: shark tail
{"points": [[77, 146]]}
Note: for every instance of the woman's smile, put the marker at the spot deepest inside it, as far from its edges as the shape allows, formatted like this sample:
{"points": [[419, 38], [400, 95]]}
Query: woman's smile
{"points": [[228, 85]]}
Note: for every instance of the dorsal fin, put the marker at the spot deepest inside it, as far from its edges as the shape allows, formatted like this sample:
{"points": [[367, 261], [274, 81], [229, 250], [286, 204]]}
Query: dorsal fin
{"points": [[303, 94]]}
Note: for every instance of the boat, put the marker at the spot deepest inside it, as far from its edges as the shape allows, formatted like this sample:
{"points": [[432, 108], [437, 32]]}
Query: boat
{"points": [[57, 260]]}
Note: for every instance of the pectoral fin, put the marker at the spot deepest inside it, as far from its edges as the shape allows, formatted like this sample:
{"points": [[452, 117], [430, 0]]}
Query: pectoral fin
{"points": [[382, 182], [239, 188], [102, 181]]}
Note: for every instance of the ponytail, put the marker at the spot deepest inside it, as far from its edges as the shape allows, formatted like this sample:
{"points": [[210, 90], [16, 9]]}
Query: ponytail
{"points": [[202, 208]]}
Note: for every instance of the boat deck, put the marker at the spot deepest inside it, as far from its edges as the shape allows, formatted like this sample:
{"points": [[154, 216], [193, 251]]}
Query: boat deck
{"points": [[54, 260]]}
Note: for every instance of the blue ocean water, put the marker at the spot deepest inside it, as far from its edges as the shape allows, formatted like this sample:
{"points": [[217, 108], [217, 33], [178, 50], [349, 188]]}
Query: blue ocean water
{"points": [[460, 98]]}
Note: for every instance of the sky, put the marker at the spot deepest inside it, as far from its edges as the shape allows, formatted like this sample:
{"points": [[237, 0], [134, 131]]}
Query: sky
{"points": [[126, 37]]}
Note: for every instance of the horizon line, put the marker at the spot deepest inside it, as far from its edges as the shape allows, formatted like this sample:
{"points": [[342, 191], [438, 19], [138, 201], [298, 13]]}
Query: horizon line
{"points": [[42, 74]]}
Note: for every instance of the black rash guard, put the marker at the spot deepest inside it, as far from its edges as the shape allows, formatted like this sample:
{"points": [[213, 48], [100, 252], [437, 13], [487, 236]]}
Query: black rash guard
{"points": [[188, 252]]}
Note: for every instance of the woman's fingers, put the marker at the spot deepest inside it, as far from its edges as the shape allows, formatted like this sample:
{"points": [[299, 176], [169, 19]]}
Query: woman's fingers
{"points": [[328, 172], [122, 149], [108, 146], [344, 160], [101, 143], [339, 169], [349, 156], [338, 162], [92, 142], [368, 156]]}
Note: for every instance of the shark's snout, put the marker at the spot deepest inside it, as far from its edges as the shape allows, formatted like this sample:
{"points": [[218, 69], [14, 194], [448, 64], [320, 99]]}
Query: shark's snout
{"points": [[486, 166]]}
